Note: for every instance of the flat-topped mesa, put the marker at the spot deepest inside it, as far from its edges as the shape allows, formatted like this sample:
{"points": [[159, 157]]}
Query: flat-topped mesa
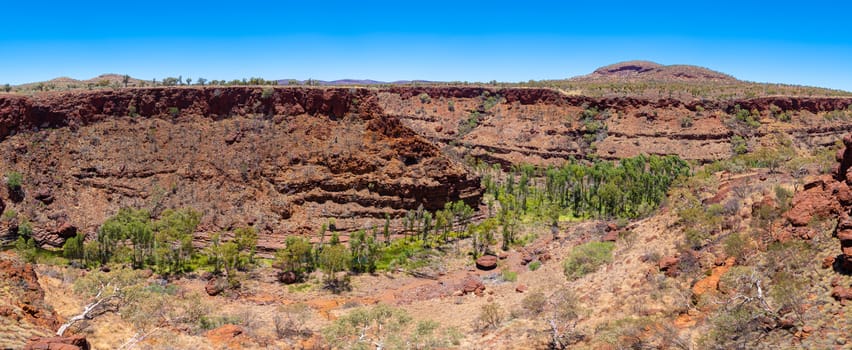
{"points": [[284, 160]]}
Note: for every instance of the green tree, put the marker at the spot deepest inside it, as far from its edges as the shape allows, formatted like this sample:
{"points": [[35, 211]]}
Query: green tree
{"points": [[213, 253], [296, 257], [364, 252], [73, 247], [246, 240], [25, 245], [173, 239], [334, 259], [231, 257], [170, 81], [127, 224]]}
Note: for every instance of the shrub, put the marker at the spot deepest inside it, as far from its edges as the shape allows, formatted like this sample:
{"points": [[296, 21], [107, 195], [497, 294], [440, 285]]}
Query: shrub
{"points": [[784, 197], [466, 126], [490, 316], [736, 245], [534, 303], [695, 237], [739, 145], [9, 214], [490, 102], [267, 93], [174, 111], [509, 275], [296, 257], [14, 180], [586, 258], [290, 320], [534, 265], [686, 122], [424, 98]]}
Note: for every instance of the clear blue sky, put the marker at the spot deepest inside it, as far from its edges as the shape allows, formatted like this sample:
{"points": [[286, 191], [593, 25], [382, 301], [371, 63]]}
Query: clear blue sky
{"points": [[806, 43]]}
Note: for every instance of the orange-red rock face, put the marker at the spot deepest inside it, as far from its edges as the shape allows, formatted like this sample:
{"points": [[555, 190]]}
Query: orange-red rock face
{"points": [[830, 197], [543, 126], [284, 160]]}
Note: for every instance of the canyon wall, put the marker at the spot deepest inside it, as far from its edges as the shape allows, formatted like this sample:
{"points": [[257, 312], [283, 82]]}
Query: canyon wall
{"points": [[286, 160]]}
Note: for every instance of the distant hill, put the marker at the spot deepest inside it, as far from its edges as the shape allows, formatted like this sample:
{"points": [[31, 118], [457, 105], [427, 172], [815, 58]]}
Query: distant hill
{"points": [[66, 83], [631, 71]]}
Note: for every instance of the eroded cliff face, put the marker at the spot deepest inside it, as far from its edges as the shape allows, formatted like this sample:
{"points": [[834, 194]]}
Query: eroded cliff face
{"points": [[284, 160], [543, 126], [830, 197]]}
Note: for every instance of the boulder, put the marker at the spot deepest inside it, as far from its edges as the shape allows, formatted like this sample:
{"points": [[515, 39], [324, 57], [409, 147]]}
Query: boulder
{"points": [[527, 258], [844, 235], [288, 277], [521, 288], [828, 262], [44, 195], [473, 284], [486, 262], [216, 286], [74, 342], [227, 336], [669, 265], [840, 293], [610, 236]]}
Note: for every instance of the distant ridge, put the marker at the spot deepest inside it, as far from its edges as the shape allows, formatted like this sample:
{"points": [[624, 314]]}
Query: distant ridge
{"points": [[354, 82], [652, 71]]}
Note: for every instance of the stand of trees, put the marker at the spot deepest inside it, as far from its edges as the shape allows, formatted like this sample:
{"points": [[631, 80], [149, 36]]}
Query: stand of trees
{"points": [[163, 244], [630, 188]]}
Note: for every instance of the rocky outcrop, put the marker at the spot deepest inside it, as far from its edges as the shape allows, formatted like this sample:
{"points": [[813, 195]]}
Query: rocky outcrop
{"points": [[284, 160], [830, 197], [22, 303], [473, 284], [75, 342]]}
